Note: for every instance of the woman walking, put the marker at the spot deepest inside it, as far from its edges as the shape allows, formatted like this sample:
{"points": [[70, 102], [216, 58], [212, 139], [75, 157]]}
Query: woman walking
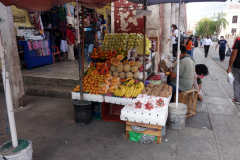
{"points": [[189, 46]]}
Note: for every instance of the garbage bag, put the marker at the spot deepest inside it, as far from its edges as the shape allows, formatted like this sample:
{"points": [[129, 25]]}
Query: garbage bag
{"points": [[228, 53], [230, 78]]}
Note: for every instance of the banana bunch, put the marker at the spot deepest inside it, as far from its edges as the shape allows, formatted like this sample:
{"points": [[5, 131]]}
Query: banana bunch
{"points": [[129, 88], [120, 91]]}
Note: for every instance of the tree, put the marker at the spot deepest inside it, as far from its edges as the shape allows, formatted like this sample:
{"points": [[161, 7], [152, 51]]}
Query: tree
{"points": [[208, 26], [205, 27], [220, 22]]}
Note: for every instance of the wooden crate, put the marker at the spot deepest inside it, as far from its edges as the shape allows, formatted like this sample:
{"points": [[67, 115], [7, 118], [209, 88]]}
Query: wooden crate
{"points": [[149, 132], [190, 99], [156, 39]]}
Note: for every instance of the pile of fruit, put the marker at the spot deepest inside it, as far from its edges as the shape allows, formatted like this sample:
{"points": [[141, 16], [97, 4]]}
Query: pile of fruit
{"points": [[157, 90], [121, 40], [126, 69], [129, 88]]}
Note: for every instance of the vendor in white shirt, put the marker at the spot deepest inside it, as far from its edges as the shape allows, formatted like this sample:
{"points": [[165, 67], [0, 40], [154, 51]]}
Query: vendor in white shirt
{"points": [[173, 36], [206, 44]]}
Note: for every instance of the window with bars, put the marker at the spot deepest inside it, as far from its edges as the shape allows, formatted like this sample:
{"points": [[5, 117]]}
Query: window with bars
{"points": [[234, 19]]}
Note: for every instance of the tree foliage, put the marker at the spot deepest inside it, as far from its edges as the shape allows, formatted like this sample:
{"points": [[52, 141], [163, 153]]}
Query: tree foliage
{"points": [[211, 26]]}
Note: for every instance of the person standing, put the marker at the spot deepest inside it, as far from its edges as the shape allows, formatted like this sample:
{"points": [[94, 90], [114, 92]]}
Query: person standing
{"points": [[193, 43], [222, 48], [189, 46], [206, 44], [90, 34], [173, 36], [70, 41], [234, 66]]}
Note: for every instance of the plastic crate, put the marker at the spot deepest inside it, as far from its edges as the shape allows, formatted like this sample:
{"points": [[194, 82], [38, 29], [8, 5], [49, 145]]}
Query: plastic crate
{"points": [[154, 77], [111, 112]]}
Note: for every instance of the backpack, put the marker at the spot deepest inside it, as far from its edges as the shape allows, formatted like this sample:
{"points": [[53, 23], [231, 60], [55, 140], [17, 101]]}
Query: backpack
{"points": [[182, 38]]}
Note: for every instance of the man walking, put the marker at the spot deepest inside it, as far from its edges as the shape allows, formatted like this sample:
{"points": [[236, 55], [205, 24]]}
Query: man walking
{"points": [[90, 34], [234, 66], [222, 48], [206, 44], [70, 42]]}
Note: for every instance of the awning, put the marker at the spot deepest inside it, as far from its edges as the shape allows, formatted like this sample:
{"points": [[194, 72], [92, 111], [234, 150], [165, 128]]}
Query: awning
{"points": [[152, 2], [44, 5]]}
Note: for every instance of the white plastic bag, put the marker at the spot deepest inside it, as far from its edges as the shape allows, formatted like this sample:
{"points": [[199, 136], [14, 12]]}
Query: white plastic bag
{"points": [[230, 78]]}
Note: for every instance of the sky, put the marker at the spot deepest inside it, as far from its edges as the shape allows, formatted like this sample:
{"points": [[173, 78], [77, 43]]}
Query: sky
{"points": [[198, 10]]}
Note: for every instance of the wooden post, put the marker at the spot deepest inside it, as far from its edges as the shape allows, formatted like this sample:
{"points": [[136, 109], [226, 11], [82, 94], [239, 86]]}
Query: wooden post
{"points": [[12, 56], [144, 44]]}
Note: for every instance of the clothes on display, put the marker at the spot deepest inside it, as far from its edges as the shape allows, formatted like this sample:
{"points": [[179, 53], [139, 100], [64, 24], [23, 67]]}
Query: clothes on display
{"points": [[41, 47], [63, 46]]}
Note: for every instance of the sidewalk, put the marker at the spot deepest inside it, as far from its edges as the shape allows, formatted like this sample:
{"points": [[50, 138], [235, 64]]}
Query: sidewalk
{"points": [[213, 133]]}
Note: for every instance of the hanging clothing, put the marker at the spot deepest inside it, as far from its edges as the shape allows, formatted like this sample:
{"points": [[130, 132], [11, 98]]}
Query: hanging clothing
{"points": [[57, 39], [63, 46], [46, 18], [54, 18], [62, 14], [71, 9], [32, 14]]}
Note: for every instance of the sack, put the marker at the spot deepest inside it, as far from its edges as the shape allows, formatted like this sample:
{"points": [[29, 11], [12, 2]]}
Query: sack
{"points": [[230, 78], [196, 44], [228, 53], [182, 38]]}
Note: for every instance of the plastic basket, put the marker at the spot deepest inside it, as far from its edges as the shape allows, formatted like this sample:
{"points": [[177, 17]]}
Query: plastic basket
{"points": [[111, 112]]}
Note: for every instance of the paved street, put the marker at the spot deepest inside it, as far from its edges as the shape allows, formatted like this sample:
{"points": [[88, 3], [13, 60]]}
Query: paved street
{"points": [[213, 133]]}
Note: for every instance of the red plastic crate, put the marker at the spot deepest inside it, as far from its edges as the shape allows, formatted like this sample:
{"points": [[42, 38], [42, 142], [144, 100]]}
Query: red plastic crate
{"points": [[154, 77], [111, 112]]}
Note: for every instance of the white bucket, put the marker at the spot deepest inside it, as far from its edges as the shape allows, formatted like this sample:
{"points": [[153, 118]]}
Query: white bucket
{"points": [[24, 154], [177, 115]]}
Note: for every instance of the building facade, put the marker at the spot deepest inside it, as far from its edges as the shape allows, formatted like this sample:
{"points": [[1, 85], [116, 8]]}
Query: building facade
{"points": [[232, 12]]}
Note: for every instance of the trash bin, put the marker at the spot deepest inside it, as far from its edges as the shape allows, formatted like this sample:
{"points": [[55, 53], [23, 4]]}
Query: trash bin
{"points": [[82, 111]]}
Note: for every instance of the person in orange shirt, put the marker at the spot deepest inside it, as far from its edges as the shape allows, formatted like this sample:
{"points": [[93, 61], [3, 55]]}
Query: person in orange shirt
{"points": [[189, 46]]}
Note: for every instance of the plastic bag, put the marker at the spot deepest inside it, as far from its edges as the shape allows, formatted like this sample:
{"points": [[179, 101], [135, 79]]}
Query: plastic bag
{"points": [[230, 78], [228, 53]]}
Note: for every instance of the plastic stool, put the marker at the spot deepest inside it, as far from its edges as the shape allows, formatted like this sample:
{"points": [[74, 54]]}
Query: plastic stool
{"points": [[190, 99], [57, 52]]}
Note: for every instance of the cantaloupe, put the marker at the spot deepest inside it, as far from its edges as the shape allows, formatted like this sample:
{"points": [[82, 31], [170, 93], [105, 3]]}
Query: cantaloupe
{"points": [[113, 68], [119, 68], [134, 69], [136, 75], [129, 75], [126, 68], [115, 74], [122, 75], [131, 63], [138, 64]]}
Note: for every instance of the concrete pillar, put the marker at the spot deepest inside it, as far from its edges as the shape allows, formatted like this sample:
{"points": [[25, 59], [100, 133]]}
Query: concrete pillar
{"points": [[12, 58], [173, 16], [166, 29], [176, 13], [153, 21], [173, 5]]}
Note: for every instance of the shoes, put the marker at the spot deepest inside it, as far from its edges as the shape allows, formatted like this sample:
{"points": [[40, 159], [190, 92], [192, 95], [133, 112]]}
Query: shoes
{"points": [[236, 101]]}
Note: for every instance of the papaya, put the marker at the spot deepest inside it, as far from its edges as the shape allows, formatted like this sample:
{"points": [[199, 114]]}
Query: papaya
{"points": [[119, 57]]}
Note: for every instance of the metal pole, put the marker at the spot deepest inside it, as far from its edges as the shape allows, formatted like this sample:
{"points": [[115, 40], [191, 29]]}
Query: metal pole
{"points": [[10, 111], [144, 43], [82, 56], [178, 52]]}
